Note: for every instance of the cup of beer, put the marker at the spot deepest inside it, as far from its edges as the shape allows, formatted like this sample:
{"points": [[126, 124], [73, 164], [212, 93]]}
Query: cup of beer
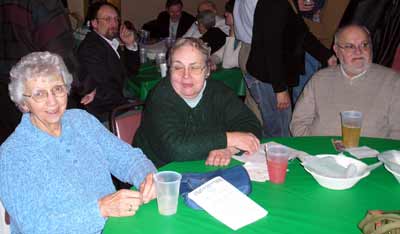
{"points": [[351, 127]]}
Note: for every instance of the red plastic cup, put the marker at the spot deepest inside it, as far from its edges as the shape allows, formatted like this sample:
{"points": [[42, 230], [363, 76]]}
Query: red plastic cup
{"points": [[277, 161]]}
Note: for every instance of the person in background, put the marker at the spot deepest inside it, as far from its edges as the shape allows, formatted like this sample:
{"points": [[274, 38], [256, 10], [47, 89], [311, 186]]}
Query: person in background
{"points": [[55, 168], [355, 84], [212, 36], [173, 22], [322, 18], [243, 15], [219, 21], [228, 55], [104, 64], [280, 38], [188, 117]]}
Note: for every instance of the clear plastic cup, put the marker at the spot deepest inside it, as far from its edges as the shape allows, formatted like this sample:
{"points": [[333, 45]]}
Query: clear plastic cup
{"points": [[277, 161], [167, 186], [160, 59], [143, 55], [351, 127]]}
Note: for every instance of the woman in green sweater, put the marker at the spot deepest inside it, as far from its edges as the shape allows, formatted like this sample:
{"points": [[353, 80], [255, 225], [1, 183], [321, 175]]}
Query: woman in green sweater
{"points": [[188, 117]]}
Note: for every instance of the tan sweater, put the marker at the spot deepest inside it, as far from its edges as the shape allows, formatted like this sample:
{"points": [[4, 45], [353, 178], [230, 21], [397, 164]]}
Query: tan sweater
{"points": [[376, 94]]}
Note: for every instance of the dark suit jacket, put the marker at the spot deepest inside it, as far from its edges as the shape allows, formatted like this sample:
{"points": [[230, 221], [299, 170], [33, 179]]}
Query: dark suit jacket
{"points": [[280, 37], [162, 30], [215, 38], [101, 69]]}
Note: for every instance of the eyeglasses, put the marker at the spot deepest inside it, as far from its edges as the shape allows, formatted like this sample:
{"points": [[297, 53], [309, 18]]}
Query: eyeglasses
{"points": [[193, 70], [40, 96], [110, 19], [351, 48]]}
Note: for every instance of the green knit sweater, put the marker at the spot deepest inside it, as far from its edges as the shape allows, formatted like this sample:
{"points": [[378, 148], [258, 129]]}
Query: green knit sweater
{"points": [[173, 131]]}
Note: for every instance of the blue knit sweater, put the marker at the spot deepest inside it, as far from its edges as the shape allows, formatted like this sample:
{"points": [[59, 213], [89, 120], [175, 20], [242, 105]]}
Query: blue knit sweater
{"points": [[52, 184]]}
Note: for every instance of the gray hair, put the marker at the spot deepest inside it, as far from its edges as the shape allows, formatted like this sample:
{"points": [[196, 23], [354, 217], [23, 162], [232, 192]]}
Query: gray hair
{"points": [[195, 43], [206, 18], [339, 32], [34, 65]]}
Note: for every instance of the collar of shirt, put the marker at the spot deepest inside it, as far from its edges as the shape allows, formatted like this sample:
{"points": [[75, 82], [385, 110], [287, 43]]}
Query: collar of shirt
{"points": [[352, 77], [173, 28], [114, 43], [193, 102]]}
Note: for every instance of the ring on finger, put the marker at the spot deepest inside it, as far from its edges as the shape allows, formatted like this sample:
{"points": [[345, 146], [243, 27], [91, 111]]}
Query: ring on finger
{"points": [[130, 208]]}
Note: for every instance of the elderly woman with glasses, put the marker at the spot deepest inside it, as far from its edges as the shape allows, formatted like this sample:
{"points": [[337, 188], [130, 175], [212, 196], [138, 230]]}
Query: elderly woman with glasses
{"points": [[55, 168], [189, 117]]}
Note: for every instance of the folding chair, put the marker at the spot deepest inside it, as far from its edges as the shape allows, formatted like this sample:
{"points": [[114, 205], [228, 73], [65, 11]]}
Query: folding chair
{"points": [[125, 120]]}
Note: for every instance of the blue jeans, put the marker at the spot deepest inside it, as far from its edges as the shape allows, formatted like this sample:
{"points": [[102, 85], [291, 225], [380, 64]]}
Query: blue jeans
{"points": [[311, 66], [275, 122]]}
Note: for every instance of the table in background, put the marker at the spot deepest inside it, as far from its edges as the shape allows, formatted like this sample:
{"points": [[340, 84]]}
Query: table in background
{"points": [[300, 205], [148, 77]]}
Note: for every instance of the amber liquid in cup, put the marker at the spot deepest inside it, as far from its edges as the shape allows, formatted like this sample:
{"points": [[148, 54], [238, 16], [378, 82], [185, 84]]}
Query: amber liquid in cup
{"points": [[351, 128], [351, 136]]}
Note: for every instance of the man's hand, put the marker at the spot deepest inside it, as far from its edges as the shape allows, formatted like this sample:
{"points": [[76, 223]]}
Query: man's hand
{"points": [[148, 189], [88, 98], [219, 157], [127, 36], [283, 100], [121, 203], [244, 141]]}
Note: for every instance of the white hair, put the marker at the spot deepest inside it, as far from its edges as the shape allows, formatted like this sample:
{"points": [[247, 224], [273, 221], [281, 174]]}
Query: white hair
{"points": [[34, 65]]}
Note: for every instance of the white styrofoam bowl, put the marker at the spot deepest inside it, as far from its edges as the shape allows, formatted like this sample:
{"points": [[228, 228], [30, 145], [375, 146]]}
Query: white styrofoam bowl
{"points": [[396, 175], [340, 183]]}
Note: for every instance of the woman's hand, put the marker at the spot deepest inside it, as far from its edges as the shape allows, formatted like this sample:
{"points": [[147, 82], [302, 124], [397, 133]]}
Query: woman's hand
{"points": [[121, 203], [148, 189], [244, 141], [219, 157]]}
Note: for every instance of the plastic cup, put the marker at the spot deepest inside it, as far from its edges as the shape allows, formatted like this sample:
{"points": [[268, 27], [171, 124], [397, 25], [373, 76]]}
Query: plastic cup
{"points": [[277, 161], [160, 59], [167, 187], [351, 128], [163, 69], [143, 55]]}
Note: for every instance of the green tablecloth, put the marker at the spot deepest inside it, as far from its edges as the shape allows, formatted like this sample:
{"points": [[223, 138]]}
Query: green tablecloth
{"points": [[148, 77], [300, 205]]}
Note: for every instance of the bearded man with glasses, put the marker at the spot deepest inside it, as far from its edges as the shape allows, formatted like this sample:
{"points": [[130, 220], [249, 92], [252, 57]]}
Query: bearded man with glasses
{"points": [[105, 64], [355, 84]]}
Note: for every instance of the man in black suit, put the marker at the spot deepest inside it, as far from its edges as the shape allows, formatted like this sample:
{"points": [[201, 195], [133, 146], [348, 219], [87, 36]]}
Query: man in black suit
{"points": [[173, 22], [105, 65]]}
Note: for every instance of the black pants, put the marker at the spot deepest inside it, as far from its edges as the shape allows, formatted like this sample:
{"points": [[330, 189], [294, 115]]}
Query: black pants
{"points": [[10, 115]]}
